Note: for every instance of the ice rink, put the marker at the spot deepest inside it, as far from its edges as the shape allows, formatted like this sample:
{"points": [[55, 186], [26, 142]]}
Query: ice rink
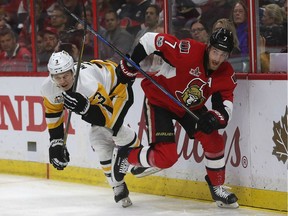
{"points": [[27, 196]]}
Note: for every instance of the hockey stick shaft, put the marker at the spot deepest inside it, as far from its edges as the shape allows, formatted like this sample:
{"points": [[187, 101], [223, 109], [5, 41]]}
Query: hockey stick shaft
{"points": [[84, 23], [133, 64]]}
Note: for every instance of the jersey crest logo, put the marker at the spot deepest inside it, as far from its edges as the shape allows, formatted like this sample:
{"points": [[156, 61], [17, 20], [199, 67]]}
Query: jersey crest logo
{"points": [[184, 46], [195, 72], [59, 99], [159, 41], [192, 95]]}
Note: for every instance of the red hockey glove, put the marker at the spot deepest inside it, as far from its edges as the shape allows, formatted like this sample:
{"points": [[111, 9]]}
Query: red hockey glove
{"points": [[210, 121], [126, 73]]}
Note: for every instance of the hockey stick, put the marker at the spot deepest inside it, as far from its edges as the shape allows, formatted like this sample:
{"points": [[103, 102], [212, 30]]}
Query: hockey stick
{"points": [[84, 23], [133, 64]]}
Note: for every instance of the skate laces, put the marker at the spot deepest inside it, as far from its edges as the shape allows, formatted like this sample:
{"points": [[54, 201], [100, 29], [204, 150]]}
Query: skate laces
{"points": [[222, 191]]}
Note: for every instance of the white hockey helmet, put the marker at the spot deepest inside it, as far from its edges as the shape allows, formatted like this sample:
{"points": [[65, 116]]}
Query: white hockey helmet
{"points": [[60, 62]]}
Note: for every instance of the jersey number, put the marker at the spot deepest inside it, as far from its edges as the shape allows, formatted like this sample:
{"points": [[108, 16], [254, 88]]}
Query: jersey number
{"points": [[170, 44], [99, 98]]}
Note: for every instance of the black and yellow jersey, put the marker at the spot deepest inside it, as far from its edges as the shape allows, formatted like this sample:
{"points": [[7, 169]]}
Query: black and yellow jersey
{"points": [[109, 100]]}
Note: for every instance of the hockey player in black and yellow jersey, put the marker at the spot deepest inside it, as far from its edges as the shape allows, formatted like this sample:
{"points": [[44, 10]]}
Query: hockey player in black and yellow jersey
{"points": [[100, 99]]}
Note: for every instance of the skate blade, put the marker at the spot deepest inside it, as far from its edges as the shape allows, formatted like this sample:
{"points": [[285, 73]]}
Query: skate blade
{"points": [[224, 205], [148, 171], [126, 202]]}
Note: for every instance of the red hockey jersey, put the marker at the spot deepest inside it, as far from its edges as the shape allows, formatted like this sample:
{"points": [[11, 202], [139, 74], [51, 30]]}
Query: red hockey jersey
{"points": [[183, 75]]}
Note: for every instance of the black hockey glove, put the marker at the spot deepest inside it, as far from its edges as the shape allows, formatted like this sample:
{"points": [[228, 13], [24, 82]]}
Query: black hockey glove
{"points": [[58, 154], [210, 121], [126, 73], [76, 102]]}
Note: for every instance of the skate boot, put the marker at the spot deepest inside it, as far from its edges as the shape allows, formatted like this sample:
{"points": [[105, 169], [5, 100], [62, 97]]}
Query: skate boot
{"points": [[120, 163], [121, 193], [140, 172], [222, 197]]}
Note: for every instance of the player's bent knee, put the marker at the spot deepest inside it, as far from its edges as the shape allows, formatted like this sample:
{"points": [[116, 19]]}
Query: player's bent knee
{"points": [[164, 155], [164, 164], [213, 142]]}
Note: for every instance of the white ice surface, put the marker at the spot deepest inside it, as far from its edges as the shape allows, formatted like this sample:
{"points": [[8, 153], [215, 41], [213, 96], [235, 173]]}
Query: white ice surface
{"points": [[27, 196]]}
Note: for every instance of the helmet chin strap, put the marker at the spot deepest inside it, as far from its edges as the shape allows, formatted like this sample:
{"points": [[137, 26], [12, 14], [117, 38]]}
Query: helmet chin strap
{"points": [[70, 90]]}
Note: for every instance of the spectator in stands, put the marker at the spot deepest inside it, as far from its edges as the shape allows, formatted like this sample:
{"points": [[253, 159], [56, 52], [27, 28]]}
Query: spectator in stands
{"points": [[3, 23], [270, 39], [88, 37], [182, 33], [116, 4], [262, 3], [50, 41], [102, 7], [151, 22], [264, 55], [117, 36], [285, 8], [239, 18], [9, 11], [59, 19], [13, 57], [217, 9], [132, 15], [71, 42], [47, 6], [184, 13], [199, 31], [89, 16], [39, 43], [272, 28], [75, 6], [24, 38]]}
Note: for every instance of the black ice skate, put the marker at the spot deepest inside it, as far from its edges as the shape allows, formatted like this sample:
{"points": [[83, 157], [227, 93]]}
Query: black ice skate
{"points": [[121, 193], [120, 163], [140, 172], [222, 197]]}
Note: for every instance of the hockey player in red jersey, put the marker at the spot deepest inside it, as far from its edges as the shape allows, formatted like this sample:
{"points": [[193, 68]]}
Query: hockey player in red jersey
{"points": [[192, 72]]}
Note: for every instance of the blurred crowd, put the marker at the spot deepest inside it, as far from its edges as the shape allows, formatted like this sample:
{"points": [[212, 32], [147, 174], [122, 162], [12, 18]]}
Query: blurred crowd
{"points": [[123, 22]]}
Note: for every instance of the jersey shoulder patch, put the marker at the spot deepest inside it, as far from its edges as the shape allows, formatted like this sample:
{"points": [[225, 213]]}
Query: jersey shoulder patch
{"points": [[51, 92], [184, 46], [159, 41]]}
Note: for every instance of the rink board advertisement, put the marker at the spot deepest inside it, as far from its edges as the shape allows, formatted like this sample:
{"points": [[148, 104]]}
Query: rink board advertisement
{"points": [[256, 137]]}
